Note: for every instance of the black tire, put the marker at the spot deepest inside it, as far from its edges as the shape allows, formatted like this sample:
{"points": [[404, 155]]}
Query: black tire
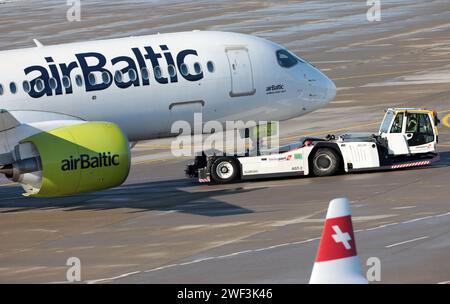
{"points": [[325, 162], [224, 170]]}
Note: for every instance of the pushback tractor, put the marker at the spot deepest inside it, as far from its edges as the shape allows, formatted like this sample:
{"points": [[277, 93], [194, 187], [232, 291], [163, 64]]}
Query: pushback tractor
{"points": [[407, 138]]}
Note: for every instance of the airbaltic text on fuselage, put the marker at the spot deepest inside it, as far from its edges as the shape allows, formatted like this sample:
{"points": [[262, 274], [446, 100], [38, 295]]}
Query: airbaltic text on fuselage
{"points": [[137, 62], [86, 161]]}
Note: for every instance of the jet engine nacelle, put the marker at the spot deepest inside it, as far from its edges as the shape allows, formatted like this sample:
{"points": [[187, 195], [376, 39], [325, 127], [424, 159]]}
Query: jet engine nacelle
{"points": [[73, 159]]}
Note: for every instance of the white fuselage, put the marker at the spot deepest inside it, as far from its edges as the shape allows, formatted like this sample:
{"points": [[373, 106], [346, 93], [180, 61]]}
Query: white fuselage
{"points": [[224, 76]]}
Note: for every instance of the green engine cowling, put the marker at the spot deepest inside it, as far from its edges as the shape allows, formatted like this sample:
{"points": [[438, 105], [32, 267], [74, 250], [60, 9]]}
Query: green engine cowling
{"points": [[80, 158]]}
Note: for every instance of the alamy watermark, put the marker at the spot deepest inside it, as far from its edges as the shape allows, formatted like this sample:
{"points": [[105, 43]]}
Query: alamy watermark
{"points": [[374, 12], [231, 137], [74, 11], [374, 272], [73, 274]]}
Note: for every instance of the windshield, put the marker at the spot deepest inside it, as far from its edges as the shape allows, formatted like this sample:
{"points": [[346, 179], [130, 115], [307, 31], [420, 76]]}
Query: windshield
{"points": [[386, 122]]}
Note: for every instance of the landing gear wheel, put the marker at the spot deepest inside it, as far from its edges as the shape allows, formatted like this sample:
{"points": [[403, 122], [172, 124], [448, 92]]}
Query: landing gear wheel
{"points": [[325, 162], [224, 170]]}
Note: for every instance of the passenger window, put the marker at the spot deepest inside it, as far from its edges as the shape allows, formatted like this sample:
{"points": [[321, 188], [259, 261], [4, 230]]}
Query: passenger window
{"points": [[92, 79], [106, 78], [66, 82], [118, 76], [286, 59], [145, 73], [26, 86], [1, 90], [210, 66], [132, 74], [172, 71], [184, 69], [39, 85], [13, 88], [197, 68], [397, 126], [53, 83], [79, 80], [158, 72]]}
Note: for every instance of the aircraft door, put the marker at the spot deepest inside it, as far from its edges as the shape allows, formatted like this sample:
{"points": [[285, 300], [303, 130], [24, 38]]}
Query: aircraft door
{"points": [[242, 82]]}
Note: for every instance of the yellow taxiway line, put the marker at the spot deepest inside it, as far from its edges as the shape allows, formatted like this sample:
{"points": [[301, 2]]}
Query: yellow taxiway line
{"points": [[446, 120]]}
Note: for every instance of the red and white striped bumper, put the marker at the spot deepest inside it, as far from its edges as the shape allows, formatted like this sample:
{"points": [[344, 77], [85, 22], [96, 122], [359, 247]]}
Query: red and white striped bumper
{"points": [[416, 163], [203, 176]]}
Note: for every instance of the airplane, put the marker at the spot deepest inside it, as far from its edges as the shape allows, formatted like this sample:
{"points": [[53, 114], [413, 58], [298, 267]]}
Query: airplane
{"points": [[69, 112]]}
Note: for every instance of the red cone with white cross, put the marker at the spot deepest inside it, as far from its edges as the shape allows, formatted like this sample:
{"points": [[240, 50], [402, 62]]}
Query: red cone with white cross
{"points": [[337, 261]]}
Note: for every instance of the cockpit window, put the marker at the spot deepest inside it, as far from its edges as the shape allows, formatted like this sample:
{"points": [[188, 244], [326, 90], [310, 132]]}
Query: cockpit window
{"points": [[286, 59]]}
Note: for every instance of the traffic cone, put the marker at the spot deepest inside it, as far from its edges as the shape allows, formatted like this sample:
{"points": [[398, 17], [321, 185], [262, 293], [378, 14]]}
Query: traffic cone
{"points": [[337, 261]]}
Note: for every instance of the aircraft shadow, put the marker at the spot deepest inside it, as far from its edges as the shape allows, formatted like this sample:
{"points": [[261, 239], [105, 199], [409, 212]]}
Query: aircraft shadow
{"points": [[140, 197]]}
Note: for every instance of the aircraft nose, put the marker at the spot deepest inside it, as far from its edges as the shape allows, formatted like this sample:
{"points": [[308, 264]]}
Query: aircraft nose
{"points": [[331, 90], [322, 87]]}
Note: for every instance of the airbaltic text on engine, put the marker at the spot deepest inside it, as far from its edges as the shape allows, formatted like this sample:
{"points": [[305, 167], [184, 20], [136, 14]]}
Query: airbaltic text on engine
{"points": [[86, 161], [132, 63]]}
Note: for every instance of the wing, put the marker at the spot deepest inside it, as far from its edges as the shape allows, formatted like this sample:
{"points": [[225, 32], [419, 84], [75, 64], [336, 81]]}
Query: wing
{"points": [[7, 121], [17, 125]]}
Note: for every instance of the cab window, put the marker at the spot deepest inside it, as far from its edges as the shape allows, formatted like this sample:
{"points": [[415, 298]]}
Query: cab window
{"points": [[419, 124], [411, 124], [286, 59], [425, 126], [397, 126]]}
